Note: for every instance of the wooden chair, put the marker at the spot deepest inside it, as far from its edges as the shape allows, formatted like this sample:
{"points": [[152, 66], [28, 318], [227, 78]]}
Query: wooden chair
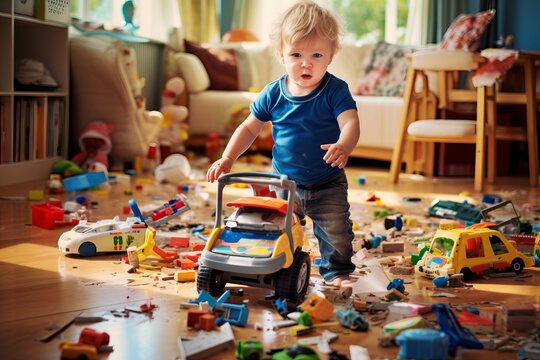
{"points": [[424, 128]]}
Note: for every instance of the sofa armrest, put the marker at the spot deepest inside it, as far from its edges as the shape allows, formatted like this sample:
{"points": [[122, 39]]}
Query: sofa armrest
{"points": [[193, 72]]}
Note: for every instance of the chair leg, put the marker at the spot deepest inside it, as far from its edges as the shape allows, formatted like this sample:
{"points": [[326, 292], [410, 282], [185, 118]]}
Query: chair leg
{"points": [[480, 138], [491, 135], [532, 121], [397, 155]]}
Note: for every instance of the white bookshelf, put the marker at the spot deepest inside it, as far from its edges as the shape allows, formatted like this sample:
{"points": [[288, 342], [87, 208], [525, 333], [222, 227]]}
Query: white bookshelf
{"points": [[29, 145]]}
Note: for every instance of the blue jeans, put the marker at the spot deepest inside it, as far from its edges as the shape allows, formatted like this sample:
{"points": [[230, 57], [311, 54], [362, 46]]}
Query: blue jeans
{"points": [[328, 207]]}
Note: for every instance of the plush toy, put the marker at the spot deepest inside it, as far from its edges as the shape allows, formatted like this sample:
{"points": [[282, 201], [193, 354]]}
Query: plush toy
{"points": [[174, 127], [95, 145]]}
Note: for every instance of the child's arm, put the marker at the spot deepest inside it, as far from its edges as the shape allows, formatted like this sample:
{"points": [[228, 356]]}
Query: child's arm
{"points": [[240, 141], [338, 154]]}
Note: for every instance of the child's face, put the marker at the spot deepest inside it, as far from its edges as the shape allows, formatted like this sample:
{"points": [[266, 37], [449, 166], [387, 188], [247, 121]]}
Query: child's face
{"points": [[306, 63]]}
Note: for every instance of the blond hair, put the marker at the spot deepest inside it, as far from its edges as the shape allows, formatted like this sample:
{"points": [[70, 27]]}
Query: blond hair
{"points": [[306, 19]]}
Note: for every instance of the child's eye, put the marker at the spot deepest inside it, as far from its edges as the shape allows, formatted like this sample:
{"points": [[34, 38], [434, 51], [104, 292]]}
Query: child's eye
{"points": [[296, 55], [317, 55]]}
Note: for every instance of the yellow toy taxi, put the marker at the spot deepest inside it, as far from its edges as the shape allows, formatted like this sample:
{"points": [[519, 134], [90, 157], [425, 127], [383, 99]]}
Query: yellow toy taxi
{"points": [[474, 250]]}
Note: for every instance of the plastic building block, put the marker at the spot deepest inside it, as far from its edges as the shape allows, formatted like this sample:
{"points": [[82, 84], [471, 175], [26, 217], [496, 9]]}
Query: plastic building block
{"points": [[70, 350], [45, 215], [459, 335], [193, 317], [185, 264], [179, 241], [84, 181], [249, 350], [48, 216], [423, 344], [35, 195], [93, 337], [319, 308], [207, 322], [184, 275]]}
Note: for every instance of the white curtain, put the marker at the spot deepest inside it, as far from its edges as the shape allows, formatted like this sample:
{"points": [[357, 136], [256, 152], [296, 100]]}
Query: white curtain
{"points": [[417, 23], [156, 18]]}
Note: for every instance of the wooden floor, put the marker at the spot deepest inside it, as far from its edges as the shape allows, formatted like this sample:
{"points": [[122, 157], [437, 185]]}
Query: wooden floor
{"points": [[42, 290]]}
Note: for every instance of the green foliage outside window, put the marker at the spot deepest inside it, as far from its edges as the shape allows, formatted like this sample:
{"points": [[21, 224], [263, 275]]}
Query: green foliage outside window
{"points": [[365, 19]]}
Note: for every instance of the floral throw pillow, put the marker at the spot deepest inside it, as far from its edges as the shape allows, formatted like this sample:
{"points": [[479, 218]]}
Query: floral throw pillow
{"points": [[384, 72], [466, 30]]}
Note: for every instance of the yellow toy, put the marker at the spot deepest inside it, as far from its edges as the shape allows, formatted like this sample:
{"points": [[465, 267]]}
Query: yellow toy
{"points": [[150, 249], [474, 250]]}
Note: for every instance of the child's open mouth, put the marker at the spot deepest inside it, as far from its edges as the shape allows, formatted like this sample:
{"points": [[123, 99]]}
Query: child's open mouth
{"points": [[306, 76]]}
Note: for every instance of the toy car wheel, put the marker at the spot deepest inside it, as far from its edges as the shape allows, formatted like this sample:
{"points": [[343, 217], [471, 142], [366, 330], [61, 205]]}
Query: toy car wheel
{"points": [[467, 274], [517, 266], [209, 280], [87, 249], [292, 283]]}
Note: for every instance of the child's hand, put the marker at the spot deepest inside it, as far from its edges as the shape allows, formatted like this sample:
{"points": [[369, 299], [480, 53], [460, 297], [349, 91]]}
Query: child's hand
{"points": [[335, 155], [221, 166]]}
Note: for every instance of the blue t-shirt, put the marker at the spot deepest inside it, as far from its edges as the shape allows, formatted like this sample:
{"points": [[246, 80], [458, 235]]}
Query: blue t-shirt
{"points": [[301, 124]]}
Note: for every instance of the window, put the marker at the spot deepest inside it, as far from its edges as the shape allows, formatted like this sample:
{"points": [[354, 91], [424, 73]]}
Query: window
{"points": [[474, 247], [368, 21], [497, 245], [153, 19]]}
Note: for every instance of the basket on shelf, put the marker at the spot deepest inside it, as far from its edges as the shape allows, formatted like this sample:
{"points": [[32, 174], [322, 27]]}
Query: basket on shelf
{"points": [[53, 10]]}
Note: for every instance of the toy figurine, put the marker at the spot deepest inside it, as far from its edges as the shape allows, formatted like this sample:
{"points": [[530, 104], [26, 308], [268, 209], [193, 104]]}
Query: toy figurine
{"points": [[95, 145], [174, 127]]}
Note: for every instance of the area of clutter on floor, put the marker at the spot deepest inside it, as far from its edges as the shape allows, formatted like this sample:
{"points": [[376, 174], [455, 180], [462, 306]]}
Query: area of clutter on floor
{"points": [[449, 242]]}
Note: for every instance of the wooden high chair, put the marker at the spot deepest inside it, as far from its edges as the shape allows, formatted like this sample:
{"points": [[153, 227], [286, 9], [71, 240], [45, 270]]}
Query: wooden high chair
{"points": [[424, 128]]}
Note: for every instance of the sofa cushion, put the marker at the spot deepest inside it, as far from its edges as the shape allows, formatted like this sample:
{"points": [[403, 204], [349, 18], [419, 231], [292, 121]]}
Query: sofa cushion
{"points": [[193, 72], [466, 30], [384, 71], [220, 64]]}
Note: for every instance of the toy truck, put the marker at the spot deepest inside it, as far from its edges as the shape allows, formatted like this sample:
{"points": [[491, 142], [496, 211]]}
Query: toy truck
{"points": [[474, 250], [259, 244]]}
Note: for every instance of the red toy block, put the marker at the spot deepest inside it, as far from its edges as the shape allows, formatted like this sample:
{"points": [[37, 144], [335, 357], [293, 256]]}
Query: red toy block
{"points": [[55, 202], [185, 264], [90, 336], [45, 215], [194, 257], [197, 247], [126, 209], [207, 322], [179, 242], [193, 317]]}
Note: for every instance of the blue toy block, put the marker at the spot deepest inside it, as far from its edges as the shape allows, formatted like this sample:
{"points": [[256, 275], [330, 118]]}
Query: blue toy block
{"points": [[84, 181], [423, 344]]}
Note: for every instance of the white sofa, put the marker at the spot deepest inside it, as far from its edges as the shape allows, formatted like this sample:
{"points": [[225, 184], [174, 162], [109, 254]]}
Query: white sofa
{"points": [[210, 109]]}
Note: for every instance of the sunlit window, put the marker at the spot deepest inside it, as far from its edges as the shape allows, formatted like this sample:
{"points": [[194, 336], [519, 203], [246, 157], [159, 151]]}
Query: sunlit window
{"points": [[151, 19], [368, 21]]}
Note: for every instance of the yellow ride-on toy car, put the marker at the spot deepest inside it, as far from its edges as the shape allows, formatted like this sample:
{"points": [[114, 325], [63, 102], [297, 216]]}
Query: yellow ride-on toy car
{"points": [[259, 244]]}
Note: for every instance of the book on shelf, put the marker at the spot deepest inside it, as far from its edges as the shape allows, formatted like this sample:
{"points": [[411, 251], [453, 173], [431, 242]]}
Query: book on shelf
{"points": [[35, 130]]}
